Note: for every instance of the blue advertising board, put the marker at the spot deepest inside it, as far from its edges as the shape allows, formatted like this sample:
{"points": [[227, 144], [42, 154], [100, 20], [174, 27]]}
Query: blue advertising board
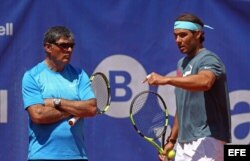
{"points": [[126, 39]]}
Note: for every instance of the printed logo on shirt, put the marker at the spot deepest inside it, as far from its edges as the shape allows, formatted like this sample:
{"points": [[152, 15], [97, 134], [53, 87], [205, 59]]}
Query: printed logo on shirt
{"points": [[207, 67], [72, 85], [178, 73], [188, 72]]}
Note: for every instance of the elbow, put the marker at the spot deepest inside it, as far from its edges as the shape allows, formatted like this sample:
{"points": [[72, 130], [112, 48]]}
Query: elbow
{"points": [[37, 119], [208, 81], [35, 115], [207, 86]]}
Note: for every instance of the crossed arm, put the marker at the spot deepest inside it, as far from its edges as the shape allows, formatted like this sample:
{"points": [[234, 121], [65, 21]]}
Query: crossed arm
{"points": [[47, 113]]}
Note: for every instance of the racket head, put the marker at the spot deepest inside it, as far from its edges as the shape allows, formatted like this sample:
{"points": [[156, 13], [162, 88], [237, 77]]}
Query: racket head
{"points": [[101, 88], [149, 116]]}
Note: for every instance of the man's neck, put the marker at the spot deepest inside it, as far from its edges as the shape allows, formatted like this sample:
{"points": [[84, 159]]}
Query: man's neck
{"points": [[54, 66], [195, 52]]}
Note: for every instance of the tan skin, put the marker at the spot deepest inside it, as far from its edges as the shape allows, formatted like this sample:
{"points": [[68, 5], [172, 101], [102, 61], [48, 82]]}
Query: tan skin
{"points": [[56, 59], [188, 43]]}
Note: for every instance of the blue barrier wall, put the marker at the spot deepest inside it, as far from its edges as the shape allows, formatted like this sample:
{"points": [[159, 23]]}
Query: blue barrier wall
{"points": [[126, 39]]}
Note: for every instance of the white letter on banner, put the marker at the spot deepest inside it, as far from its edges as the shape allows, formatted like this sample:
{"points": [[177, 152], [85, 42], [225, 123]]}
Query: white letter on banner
{"points": [[3, 106], [236, 97]]}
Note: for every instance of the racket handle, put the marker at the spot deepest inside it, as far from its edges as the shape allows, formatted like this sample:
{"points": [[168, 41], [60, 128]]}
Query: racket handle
{"points": [[73, 120]]}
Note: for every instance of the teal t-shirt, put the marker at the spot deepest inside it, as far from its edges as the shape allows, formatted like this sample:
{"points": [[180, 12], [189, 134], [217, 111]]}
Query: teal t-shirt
{"points": [[58, 140], [203, 113]]}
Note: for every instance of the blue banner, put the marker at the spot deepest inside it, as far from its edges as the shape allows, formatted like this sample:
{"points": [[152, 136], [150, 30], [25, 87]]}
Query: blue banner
{"points": [[126, 39]]}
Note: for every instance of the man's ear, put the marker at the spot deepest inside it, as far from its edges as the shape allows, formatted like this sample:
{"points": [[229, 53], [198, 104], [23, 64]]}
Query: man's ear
{"points": [[47, 47], [199, 34]]}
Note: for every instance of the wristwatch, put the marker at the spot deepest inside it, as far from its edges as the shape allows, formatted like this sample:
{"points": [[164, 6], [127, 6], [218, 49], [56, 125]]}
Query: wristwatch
{"points": [[57, 102]]}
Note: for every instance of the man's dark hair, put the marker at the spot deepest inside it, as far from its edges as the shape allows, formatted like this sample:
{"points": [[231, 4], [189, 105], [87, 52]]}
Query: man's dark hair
{"points": [[55, 33], [191, 18]]}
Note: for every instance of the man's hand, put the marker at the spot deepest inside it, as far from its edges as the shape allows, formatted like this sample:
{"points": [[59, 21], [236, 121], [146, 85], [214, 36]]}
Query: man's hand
{"points": [[167, 148]]}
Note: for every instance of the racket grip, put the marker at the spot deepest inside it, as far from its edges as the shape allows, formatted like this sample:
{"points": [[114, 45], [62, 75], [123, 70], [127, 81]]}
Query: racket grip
{"points": [[148, 76], [73, 120]]}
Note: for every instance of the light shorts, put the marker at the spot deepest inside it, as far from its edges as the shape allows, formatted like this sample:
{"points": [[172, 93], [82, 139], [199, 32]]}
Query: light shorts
{"points": [[203, 149]]}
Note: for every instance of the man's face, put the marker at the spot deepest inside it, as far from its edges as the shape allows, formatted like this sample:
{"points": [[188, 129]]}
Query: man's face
{"points": [[61, 51], [187, 41]]}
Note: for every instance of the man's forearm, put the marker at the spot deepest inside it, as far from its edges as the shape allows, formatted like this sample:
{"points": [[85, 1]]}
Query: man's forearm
{"points": [[84, 108]]}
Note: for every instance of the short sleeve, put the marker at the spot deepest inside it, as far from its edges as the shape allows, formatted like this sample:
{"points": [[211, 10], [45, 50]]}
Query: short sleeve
{"points": [[85, 89], [30, 91], [212, 63]]}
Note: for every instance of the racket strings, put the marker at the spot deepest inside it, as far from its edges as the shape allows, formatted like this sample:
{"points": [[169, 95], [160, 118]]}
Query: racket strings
{"points": [[101, 92], [148, 116]]}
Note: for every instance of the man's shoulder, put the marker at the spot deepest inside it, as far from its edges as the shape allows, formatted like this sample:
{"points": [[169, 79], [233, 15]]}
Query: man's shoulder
{"points": [[206, 52], [36, 69]]}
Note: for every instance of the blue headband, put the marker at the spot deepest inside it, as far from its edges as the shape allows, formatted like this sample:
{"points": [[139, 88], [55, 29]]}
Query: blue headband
{"points": [[187, 25]]}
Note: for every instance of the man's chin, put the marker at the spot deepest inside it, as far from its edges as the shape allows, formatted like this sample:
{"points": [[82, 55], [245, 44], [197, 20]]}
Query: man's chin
{"points": [[66, 61], [183, 51]]}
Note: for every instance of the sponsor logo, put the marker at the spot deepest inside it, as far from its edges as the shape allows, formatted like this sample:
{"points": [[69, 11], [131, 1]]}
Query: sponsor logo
{"points": [[188, 72], [3, 106], [125, 82], [6, 30], [206, 67]]}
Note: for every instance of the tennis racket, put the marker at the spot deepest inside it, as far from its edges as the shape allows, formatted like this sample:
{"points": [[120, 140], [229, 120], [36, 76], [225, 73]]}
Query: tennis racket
{"points": [[101, 87], [148, 118]]}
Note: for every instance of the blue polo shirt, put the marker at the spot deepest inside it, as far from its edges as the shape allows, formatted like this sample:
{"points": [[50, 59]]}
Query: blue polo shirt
{"points": [[58, 140]]}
